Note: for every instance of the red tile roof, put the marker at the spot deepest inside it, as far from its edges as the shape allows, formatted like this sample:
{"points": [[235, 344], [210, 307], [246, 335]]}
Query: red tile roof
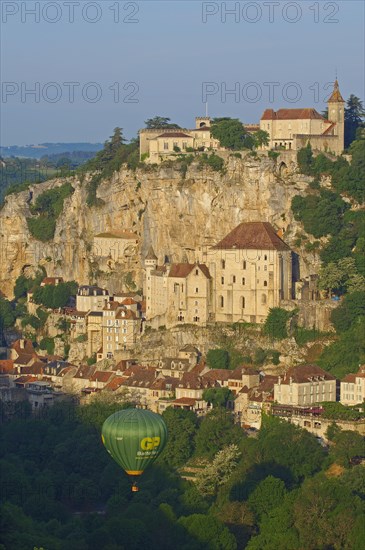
{"points": [[253, 235], [52, 281], [27, 347], [6, 366], [183, 270], [115, 383], [190, 401], [85, 372], [101, 376], [26, 379], [128, 302], [173, 135], [291, 114]]}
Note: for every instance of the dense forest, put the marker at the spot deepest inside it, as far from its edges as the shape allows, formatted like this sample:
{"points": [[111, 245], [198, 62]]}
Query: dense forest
{"points": [[61, 490]]}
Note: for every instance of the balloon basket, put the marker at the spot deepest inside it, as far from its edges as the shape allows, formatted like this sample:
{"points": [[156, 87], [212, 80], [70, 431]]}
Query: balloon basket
{"points": [[135, 488]]}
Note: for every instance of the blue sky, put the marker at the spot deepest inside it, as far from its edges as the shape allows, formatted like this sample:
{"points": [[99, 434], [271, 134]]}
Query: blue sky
{"points": [[168, 54]]}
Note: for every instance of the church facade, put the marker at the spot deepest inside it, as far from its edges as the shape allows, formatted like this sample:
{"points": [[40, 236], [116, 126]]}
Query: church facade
{"points": [[242, 277], [295, 128]]}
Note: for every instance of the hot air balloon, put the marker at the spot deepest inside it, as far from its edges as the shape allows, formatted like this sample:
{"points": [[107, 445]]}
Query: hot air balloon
{"points": [[134, 438]]}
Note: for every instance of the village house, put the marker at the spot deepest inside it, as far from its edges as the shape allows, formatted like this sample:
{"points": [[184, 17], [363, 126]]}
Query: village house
{"points": [[177, 293], [352, 390], [294, 128], [120, 329], [251, 402], [159, 144], [91, 298], [305, 385]]}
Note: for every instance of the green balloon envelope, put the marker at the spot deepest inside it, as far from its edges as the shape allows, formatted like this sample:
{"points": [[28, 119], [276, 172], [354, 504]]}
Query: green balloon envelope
{"points": [[134, 438]]}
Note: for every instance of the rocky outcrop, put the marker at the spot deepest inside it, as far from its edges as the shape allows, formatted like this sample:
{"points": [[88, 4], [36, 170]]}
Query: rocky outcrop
{"points": [[179, 216]]}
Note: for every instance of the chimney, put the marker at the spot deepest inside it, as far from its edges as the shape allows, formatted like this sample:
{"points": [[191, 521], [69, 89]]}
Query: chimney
{"points": [[22, 343]]}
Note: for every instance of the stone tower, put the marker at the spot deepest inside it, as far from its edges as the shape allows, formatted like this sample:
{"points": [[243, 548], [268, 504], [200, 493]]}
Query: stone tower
{"points": [[150, 263], [336, 114], [202, 122]]}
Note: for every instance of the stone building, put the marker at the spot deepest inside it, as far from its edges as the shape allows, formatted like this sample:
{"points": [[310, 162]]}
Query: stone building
{"points": [[353, 388], [251, 269], [120, 329], [305, 385], [160, 143], [91, 298], [244, 275], [294, 128], [115, 244]]}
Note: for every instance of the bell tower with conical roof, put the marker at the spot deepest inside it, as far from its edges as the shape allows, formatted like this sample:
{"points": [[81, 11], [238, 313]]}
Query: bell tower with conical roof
{"points": [[336, 114]]}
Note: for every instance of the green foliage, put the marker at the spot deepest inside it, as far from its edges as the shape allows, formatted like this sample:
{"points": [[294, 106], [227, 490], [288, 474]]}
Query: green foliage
{"points": [[268, 494], [301, 455], [209, 532], [336, 411], [320, 214], [349, 179], [109, 160], [47, 344], [261, 138], [218, 397], [216, 431], [304, 335], [55, 296], [276, 323], [345, 354], [215, 162], [158, 122], [91, 360], [273, 155], [7, 315], [230, 133], [218, 359], [352, 307], [182, 428], [47, 208], [305, 159], [354, 115], [266, 355]]}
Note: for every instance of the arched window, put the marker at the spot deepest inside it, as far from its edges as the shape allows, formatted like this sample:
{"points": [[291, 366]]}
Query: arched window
{"points": [[263, 299], [244, 264], [223, 262], [265, 257], [265, 283], [197, 272], [243, 281], [243, 302], [221, 301]]}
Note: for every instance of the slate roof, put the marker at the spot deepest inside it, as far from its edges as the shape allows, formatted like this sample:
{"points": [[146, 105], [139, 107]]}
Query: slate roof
{"points": [[252, 235]]}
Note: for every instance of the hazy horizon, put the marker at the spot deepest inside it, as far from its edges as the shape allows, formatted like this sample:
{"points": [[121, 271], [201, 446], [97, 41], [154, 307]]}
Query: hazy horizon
{"points": [[157, 56]]}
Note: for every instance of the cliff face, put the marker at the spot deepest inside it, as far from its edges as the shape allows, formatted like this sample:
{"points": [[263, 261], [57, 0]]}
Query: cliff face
{"points": [[178, 216]]}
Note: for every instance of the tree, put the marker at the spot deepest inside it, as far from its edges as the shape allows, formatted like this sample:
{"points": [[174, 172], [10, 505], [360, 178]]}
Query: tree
{"points": [[261, 138], [352, 307], [218, 397], [7, 315], [276, 323], [230, 132], [117, 139], [268, 494], [182, 428], [209, 531], [216, 431], [218, 359], [305, 159], [219, 471], [159, 122], [354, 114]]}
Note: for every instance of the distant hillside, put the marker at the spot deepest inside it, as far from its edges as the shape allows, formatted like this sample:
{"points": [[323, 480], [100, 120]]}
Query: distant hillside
{"points": [[43, 149]]}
